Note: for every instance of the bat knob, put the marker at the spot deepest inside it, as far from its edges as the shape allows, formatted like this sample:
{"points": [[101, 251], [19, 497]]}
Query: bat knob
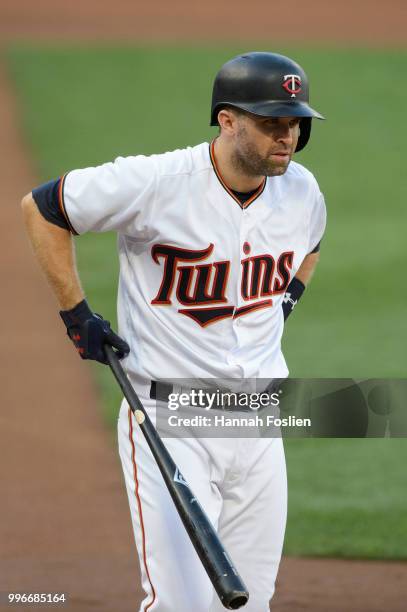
{"points": [[235, 600]]}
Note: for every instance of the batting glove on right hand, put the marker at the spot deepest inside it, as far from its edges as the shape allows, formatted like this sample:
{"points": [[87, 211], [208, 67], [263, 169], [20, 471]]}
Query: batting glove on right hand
{"points": [[90, 332]]}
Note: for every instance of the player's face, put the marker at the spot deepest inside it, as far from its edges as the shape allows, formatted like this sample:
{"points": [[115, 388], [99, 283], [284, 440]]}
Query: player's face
{"points": [[264, 146]]}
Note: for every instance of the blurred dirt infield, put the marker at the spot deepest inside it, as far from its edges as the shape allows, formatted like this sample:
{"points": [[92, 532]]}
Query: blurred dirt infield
{"points": [[65, 525], [349, 21]]}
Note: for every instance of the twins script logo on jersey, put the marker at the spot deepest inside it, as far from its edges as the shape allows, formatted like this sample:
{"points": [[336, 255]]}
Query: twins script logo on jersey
{"points": [[292, 84], [201, 286]]}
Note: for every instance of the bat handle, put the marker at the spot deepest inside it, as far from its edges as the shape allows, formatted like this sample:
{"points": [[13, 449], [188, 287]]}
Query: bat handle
{"points": [[122, 380]]}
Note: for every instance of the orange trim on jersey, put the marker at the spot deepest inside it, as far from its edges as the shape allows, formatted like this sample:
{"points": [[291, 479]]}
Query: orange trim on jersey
{"points": [[62, 204], [140, 511], [216, 312], [222, 182], [239, 312]]}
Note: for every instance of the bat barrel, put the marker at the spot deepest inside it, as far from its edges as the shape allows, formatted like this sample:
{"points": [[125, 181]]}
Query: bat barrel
{"points": [[231, 591]]}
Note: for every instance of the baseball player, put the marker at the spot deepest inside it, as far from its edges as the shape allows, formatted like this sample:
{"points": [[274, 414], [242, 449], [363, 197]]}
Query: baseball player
{"points": [[216, 245]]}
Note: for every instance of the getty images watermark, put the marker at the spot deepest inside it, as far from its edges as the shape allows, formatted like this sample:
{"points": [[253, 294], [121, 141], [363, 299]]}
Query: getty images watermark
{"points": [[202, 398], [317, 408], [229, 401], [218, 412]]}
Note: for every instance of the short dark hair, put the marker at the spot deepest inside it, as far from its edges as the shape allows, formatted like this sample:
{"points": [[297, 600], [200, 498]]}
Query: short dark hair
{"points": [[235, 109]]}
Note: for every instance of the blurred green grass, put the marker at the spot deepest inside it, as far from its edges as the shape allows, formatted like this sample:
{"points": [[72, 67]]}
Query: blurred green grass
{"points": [[82, 106], [346, 498]]}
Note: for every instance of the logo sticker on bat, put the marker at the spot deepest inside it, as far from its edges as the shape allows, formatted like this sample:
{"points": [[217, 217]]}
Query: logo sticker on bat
{"points": [[178, 477]]}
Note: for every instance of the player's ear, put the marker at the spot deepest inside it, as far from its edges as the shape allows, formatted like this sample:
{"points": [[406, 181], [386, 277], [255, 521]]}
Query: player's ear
{"points": [[227, 120]]}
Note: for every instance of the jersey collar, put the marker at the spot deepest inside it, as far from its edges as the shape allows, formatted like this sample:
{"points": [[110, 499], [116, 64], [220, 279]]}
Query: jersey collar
{"points": [[255, 195]]}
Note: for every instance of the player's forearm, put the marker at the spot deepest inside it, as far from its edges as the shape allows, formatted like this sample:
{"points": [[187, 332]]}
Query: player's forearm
{"points": [[54, 250], [307, 268]]}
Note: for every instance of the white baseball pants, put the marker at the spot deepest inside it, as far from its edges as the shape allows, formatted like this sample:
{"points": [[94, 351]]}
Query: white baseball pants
{"points": [[240, 483]]}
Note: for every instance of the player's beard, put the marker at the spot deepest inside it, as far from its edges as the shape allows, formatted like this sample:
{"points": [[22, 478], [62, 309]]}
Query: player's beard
{"points": [[247, 160]]}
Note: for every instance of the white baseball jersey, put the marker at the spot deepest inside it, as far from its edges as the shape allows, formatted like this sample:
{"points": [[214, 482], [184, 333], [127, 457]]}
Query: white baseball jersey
{"points": [[202, 277]]}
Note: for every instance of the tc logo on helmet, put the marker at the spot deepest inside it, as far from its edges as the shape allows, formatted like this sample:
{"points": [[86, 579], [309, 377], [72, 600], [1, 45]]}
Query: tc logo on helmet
{"points": [[292, 84]]}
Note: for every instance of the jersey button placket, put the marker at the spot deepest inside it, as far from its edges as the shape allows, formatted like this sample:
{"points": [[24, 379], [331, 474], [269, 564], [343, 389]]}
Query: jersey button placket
{"points": [[244, 251], [245, 246]]}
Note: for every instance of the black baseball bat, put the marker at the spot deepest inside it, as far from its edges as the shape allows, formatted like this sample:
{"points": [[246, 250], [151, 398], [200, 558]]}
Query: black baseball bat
{"points": [[225, 579]]}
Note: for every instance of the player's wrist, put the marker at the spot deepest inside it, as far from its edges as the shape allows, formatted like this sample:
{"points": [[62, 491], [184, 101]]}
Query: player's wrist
{"points": [[292, 296], [90, 332], [76, 315], [297, 285]]}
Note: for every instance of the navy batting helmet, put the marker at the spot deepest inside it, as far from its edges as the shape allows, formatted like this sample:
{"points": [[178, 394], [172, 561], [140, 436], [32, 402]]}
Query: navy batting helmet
{"points": [[265, 84]]}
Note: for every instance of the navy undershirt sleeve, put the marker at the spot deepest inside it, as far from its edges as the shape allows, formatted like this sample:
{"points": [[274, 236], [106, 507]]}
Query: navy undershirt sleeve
{"points": [[316, 249], [47, 199]]}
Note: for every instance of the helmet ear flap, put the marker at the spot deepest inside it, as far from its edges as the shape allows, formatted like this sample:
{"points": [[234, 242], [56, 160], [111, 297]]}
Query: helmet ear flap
{"points": [[305, 133]]}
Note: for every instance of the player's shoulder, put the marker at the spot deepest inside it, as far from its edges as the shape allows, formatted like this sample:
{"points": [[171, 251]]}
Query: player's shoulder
{"points": [[160, 165], [300, 175], [297, 186], [185, 161]]}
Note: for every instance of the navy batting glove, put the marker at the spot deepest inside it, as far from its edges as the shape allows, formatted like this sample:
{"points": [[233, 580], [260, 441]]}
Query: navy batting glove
{"points": [[90, 332]]}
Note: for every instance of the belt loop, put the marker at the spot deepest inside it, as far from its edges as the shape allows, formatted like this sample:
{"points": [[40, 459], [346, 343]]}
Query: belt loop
{"points": [[153, 390]]}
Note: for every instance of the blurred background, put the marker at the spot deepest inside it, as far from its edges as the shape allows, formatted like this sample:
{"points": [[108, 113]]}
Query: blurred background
{"points": [[91, 81]]}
